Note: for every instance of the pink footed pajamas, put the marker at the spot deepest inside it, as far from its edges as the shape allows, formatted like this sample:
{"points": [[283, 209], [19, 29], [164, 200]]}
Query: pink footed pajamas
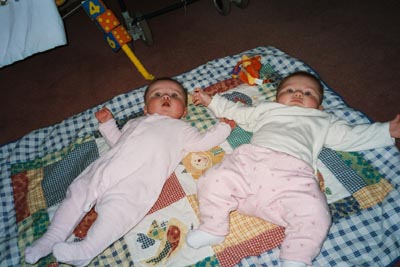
{"points": [[122, 185]]}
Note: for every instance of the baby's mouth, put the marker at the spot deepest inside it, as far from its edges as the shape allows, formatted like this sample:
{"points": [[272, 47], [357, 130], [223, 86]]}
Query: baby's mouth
{"points": [[165, 104], [297, 101]]}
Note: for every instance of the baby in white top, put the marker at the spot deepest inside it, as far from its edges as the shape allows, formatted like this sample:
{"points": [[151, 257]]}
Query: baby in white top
{"points": [[273, 177]]}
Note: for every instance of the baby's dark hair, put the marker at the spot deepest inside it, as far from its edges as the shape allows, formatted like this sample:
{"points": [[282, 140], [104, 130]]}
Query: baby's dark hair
{"points": [[166, 79], [303, 74]]}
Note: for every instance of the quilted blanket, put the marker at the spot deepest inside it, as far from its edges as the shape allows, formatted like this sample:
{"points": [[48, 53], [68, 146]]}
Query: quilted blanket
{"points": [[362, 188]]}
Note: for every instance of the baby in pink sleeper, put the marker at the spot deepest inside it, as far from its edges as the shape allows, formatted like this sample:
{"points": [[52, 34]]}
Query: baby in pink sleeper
{"points": [[126, 181], [273, 177]]}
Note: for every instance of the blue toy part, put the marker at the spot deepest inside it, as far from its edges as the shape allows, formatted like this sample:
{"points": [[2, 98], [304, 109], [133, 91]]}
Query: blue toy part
{"points": [[235, 71], [112, 41], [94, 8]]}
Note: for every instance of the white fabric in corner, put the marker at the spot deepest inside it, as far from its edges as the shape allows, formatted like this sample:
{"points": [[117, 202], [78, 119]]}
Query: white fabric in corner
{"points": [[28, 27]]}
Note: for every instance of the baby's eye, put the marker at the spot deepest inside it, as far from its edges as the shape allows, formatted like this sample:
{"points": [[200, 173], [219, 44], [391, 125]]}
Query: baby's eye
{"points": [[290, 90], [174, 95], [308, 94], [157, 94]]}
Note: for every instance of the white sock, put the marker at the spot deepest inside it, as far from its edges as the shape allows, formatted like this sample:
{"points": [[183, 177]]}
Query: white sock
{"points": [[38, 250], [41, 247], [73, 253], [286, 263], [199, 238]]}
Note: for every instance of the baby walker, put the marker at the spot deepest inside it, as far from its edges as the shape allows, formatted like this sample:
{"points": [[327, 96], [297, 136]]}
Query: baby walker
{"points": [[118, 37], [139, 29]]}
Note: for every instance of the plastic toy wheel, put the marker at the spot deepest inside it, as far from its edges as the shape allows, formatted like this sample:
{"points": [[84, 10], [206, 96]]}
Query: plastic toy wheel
{"points": [[142, 30], [241, 3], [223, 6]]}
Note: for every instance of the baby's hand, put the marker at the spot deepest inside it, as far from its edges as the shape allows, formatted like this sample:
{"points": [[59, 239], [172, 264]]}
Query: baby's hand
{"points": [[394, 127], [201, 97], [230, 122], [103, 115]]}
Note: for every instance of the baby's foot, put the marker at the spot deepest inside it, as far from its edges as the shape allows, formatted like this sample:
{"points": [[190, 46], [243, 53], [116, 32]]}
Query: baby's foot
{"points": [[71, 253], [37, 251], [199, 238]]}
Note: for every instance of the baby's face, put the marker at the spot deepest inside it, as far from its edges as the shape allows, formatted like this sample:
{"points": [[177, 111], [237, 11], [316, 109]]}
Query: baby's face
{"points": [[299, 91], [166, 98]]}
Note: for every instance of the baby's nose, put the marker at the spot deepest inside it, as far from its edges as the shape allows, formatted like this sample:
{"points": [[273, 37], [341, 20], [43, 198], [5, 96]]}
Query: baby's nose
{"points": [[298, 93], [165, 96]]}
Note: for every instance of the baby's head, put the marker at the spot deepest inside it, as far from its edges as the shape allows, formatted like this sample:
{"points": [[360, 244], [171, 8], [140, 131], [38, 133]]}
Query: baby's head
{"points": [[166, 96], [300, 89]]}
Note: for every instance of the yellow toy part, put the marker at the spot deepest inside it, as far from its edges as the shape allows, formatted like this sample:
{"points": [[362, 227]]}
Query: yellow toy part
{"points": [[197, 163], [248, 70], [137, 63], [115, 34]]}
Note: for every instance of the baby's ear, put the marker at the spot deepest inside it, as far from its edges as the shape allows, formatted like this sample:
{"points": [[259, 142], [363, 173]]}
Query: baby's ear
{"points": [[321, 108], [185, 113]]}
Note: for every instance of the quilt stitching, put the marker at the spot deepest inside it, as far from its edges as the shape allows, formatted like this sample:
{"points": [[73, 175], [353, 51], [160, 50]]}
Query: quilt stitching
{"points": [[355, 160], [116, 254], [59, 175], [172, 192], [346, 175]]}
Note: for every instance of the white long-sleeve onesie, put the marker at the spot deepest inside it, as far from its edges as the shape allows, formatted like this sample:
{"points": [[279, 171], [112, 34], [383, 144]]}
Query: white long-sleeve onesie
{"points": [[124, 183], [300, 132]]}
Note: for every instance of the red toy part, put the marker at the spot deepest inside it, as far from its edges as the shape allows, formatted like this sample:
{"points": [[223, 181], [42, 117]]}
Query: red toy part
{"points": [[121, 35], [107, 20], [248, 70]]}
